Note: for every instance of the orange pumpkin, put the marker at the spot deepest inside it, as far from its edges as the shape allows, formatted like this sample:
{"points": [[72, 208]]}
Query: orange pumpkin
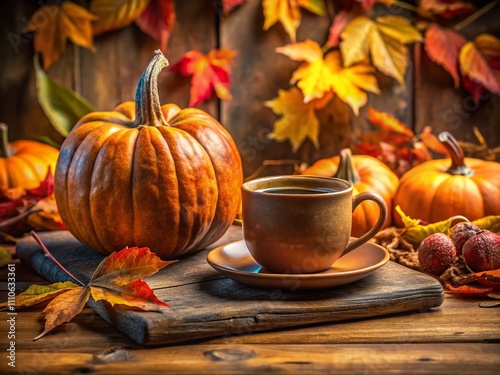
{"points": [[366, 173], [148, 175], [24, 163], [439, 189]]}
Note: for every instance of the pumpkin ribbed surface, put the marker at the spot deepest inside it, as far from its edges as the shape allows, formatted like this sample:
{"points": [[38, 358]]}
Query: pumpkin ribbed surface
{"points": [[366, 173], [172, 187], [24, 163], [439, 189]]}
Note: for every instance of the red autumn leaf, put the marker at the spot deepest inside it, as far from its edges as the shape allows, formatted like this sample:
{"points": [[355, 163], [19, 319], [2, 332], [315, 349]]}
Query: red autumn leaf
{"points": [[368, 4], [442, 46], [229, 5], [480, 61], [17, 203], [388, 123], [467, 291], [208, 72], [117, 280], [157, 21]]}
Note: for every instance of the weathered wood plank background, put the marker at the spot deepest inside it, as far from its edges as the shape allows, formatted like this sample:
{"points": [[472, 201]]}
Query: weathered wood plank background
{"points": [[108, 76]]}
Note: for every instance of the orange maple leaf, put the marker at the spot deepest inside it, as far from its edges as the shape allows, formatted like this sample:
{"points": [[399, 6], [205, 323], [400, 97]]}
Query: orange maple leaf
{"points": [[288, 13], [117, 280], [479, 61], [208, 72], [60, 23], [388, 123], [320, 74]]}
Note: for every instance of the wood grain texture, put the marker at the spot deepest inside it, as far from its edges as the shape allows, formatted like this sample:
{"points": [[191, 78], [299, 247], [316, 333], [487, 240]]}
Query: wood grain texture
{"points": [[206, 304], [254, 359]]}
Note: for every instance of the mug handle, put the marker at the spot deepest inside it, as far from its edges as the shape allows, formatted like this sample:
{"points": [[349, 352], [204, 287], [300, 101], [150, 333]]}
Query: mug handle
{"points": [[356, 200]]}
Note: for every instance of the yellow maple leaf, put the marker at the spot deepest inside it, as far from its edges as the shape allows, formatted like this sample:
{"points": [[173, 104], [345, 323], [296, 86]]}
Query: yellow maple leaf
{"points": [[298, 119], [384, 38], [112, 14], [319, 75], [288, 13], [60, 23]]}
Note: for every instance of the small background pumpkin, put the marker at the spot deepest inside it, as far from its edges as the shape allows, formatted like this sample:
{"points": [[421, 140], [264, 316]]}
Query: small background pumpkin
{"points": [[148, 175], [439, 189], [366, 173], [24, 163]]}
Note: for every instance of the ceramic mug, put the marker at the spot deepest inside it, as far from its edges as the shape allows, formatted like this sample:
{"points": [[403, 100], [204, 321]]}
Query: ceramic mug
{"points": [[302, 224]]}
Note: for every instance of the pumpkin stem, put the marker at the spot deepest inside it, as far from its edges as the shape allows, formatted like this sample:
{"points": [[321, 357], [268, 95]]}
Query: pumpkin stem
{"points": [[346, 170], [147, 102], [458, 166], [4, 141]]}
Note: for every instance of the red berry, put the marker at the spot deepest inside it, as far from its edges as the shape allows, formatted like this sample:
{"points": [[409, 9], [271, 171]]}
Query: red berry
{"points": [[461, 232], [482, 252], [436, 253]]}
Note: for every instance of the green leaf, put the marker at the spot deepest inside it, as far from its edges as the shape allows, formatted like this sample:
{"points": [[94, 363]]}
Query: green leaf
{"points": [[416, 233], [36, 294], [491, 223], [62, 106]]}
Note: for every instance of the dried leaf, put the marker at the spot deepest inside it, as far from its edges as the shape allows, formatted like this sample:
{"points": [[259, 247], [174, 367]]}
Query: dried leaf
{"points": [[47, 216], [298, 120], [60, 23], [63, 308], [112, 14], [479, 61], [467, 291], [491, 223], [36, 294], [62, 106], [388, 123], [157, 21], [384, 39], [416, 232], [17, 204], [288, 13], [208, 72], [123, 267], [442, 46], [117, 280]]}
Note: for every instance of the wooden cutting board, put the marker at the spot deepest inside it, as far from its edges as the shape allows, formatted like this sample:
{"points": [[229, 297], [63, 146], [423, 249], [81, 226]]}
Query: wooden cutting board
{"points": [[206, 304]]}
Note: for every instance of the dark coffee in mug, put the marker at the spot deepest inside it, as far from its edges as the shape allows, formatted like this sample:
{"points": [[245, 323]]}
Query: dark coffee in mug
{"points": [[297, 190]]}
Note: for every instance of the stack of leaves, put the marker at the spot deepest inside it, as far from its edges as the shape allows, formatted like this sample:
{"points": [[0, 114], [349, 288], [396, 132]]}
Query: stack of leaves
{"points": [[117, 281], [395, 143], [402, 244], [23, 210]]}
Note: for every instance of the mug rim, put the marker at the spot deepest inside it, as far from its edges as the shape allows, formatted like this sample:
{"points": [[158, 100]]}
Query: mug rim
{"points": [[348, 185]]}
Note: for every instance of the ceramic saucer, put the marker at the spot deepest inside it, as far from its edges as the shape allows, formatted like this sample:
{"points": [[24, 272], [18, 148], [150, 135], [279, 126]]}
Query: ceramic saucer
{"points": [[234, 261]]}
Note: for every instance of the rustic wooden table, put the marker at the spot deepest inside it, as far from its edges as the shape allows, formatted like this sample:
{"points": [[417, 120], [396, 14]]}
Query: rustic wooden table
{"points": [[459, 337]]}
